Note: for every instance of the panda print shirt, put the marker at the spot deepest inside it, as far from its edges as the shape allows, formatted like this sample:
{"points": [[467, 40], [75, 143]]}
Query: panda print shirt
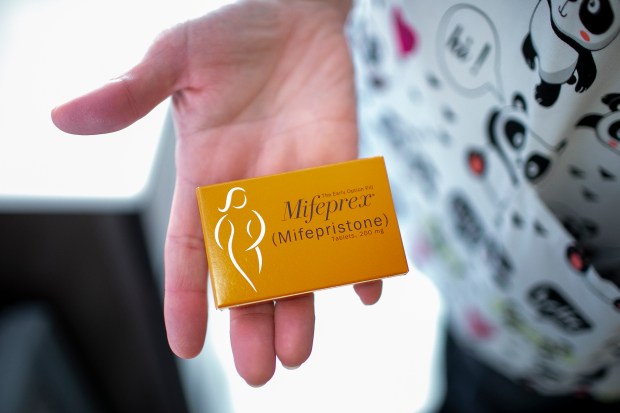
{"points": [[500, 124]]}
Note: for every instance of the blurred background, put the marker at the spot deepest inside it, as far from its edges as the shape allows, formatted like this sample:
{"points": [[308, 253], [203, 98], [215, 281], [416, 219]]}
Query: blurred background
{"points": [[82, 224]]}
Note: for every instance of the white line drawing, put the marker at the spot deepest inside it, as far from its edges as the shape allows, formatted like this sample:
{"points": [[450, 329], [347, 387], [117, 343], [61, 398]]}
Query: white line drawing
{"points": [[254, 245]]}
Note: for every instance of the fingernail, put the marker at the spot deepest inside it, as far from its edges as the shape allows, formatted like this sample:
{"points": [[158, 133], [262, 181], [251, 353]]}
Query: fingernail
{"points": [[291, 367], [256, 386]]}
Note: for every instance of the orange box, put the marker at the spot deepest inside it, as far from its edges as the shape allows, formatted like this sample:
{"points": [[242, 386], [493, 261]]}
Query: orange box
{"points": [[301, 231]]}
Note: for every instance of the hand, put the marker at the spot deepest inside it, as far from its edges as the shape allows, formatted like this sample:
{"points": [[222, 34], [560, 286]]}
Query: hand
{"points": [[258, 87]]}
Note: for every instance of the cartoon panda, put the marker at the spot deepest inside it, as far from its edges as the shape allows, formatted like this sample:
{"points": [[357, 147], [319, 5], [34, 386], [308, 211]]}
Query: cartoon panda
{"points": [[583, 190], [606, 127], [563, 34], [522, 152], [371, 51], [369, 48], [469, 227]]}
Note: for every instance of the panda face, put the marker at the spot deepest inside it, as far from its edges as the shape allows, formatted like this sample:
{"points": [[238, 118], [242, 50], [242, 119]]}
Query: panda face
{"points": [[510, 130], [608, 131], [523, 152], [591, 23]]}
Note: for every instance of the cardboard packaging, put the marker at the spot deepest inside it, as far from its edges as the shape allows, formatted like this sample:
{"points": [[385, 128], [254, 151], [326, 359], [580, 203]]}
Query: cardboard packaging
{"points": [[292, 233]]}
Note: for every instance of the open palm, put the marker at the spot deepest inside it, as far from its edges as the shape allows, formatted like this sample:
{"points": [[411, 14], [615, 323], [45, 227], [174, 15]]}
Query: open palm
{"points": [[258, 87]]}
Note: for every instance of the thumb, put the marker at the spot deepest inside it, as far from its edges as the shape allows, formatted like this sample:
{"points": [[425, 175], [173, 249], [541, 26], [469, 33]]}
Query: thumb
{"points": [[124, 100]]}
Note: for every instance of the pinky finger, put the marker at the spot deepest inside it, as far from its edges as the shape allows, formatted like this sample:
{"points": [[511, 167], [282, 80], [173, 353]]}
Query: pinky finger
{"points": [[369, 292]]}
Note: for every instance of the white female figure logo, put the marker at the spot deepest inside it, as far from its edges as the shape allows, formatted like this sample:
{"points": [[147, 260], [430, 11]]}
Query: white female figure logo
{"points": [[230, 216]]}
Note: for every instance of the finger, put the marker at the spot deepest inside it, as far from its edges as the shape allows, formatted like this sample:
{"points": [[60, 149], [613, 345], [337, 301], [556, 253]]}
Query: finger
{"points": [[294, 334], [252, 342], [185, 298], [369, 292], [124, 100]]}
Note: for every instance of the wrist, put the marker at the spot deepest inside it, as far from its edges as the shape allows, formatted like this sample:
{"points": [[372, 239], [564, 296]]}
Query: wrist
{"points": [[343, 7]]}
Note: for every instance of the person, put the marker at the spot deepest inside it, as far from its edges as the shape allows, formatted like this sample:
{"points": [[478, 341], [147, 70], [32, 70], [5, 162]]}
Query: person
{"points": [[245, 103], [500, 125]]}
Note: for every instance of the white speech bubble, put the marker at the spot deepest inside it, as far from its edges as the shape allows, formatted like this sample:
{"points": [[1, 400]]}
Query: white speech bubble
{"points": [[468, 52]]}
